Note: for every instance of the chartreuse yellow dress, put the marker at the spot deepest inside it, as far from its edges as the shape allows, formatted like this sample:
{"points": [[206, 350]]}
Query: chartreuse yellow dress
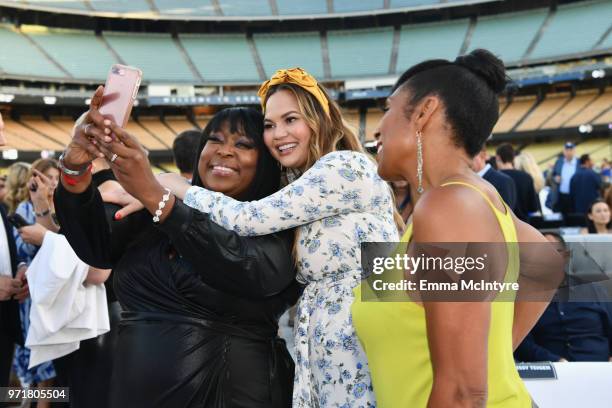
{"points": [[394, 336]]}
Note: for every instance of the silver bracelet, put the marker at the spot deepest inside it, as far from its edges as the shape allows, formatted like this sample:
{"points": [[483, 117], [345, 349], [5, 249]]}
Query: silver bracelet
{"points": [[161, 205], [72, 173]]}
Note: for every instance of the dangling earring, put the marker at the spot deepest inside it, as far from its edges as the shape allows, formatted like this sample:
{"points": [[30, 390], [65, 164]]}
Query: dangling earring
{"points": [[419, 162]]}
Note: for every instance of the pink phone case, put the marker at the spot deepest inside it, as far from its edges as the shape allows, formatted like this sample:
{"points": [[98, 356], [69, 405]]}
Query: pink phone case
{"points": [[120, 92]]}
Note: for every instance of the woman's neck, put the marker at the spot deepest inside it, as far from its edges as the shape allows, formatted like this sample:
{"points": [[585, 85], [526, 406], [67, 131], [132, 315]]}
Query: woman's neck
{"points": [[601, 228], [456, 166]]}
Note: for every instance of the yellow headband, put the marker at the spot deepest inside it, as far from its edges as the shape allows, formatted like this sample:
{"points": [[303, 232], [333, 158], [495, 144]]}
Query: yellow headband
{"points": [[298, 77]]}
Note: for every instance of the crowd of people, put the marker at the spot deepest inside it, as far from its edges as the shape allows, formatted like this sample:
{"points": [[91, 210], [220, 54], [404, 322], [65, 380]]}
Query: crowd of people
{"points": [[269, 211]]}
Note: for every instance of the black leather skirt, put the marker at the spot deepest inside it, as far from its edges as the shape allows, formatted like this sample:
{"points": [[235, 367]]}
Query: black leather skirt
{"points": [[168, 360]]}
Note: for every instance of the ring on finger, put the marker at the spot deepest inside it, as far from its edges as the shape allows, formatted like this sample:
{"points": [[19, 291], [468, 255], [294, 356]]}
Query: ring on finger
{"points": [[113, 158], [86, 129]]}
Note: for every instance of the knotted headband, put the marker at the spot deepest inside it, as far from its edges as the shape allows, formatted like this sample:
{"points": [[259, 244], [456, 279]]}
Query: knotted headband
{"points": [[298, 77]]}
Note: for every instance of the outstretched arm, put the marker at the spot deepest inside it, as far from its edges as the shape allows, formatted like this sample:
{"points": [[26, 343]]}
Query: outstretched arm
{"points": [[339, 183]]}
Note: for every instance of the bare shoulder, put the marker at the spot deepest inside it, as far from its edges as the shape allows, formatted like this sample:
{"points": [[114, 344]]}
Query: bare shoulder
{"points": [[453, 213]]}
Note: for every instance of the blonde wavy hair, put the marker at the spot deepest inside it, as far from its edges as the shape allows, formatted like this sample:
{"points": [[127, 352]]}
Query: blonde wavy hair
{"points": [[330, 133], [527, 163], [16, 189]]}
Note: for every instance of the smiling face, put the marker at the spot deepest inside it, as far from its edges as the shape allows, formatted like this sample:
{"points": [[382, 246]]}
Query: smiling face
{"points": [[395, 146], [286, 133], [228, 162]]}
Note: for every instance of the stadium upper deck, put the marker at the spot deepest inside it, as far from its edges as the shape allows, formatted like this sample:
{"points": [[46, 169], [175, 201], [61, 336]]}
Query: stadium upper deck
{"points": [[232, 10], [522, 38]]}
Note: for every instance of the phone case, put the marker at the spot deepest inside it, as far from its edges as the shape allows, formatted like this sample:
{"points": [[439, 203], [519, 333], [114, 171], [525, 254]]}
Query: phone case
{"points": [[17, 221], [120, 92]]}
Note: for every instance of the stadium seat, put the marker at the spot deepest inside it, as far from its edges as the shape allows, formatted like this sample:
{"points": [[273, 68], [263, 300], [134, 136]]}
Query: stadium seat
{"points": [[81, 53], [28, 138], [352, 118], [288, 7], [575, 28], [24, 59], [155, 54], [74, 5], [156, 127], [543, 111], [573, 107], [348, 6], [121, 6], [420, 42], [146, 138], [179, 124], [514, 113], [221, 58], [40, 125], [493, 33], [413, 3], [591, 111], [186, 7], [359, 53], [305, 52], [245, 7]]}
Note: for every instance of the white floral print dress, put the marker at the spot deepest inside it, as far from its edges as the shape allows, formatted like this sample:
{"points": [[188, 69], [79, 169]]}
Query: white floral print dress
{"points": [[336, 204]]}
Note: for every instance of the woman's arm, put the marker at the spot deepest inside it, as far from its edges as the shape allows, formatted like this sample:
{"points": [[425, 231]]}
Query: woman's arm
{"points": [[254, 267], [459, 356], [97, 276], [339, 183]]}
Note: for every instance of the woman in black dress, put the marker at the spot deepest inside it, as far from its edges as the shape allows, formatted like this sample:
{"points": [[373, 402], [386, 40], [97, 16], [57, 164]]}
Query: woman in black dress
{"points": [[201, 304]]}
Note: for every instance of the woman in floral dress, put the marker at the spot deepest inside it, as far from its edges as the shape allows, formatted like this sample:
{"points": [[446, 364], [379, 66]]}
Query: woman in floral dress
{"points": [[337, 201]]}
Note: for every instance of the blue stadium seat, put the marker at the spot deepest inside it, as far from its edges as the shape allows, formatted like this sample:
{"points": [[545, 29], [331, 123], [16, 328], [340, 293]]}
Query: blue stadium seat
{"points": [[79, 52], [24, 58], [121, 6], [156, 54], [245, 7], [508, 35], [347, 6], [575, 28], [76, 5], [224, 58], [426, 41], [305, 52], [186, 7], [413, 3], [359, 53], [288, 7]]}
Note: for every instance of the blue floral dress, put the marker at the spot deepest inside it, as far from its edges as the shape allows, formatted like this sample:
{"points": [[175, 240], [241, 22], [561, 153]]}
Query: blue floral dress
{"points": [[337, 204], [21, 360]]}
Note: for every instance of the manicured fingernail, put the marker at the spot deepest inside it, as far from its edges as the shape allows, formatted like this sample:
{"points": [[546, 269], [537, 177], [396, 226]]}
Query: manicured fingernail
{"points": [[108, 139], [118, 216], [93, 141], [107, 122], [107, 131]]}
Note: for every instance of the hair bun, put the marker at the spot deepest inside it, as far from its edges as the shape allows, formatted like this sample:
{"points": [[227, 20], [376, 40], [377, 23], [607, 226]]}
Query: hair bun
{"points": [[487, 66]]}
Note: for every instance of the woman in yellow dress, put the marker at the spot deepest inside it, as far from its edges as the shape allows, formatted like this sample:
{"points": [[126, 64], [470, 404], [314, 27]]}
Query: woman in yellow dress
{"points": [[447, 354]]}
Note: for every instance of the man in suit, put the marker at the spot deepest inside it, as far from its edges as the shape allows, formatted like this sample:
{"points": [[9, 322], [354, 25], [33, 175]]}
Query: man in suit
{"points": [[585, 185], [563, 171], [527, 200], [502, 183]]}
